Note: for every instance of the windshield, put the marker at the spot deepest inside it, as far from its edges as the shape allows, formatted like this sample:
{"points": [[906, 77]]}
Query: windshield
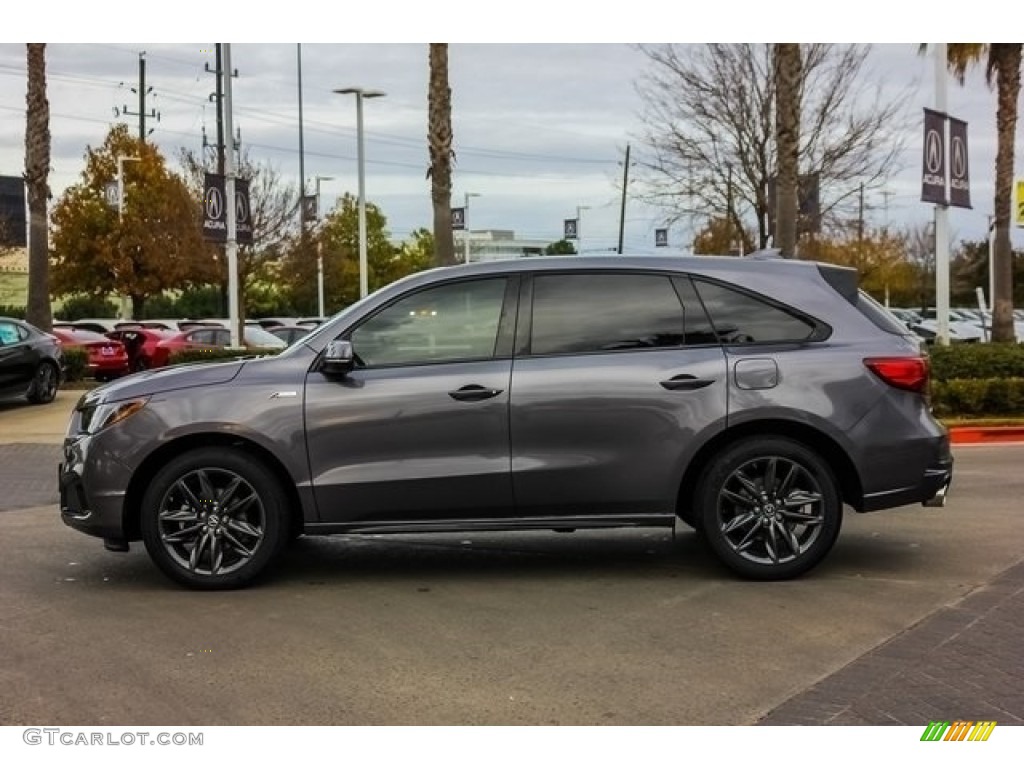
{"points": [[257, 337]]}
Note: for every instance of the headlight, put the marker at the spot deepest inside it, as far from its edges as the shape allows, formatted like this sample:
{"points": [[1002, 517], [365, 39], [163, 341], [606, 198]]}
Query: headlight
{"points": [[101, 416]]}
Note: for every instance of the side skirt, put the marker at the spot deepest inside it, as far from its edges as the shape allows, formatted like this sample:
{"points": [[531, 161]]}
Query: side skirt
{"points": [[493, 524]]}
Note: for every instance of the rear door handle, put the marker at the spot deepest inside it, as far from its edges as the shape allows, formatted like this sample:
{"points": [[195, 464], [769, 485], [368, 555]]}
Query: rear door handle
{"points": [[686, 382], [472, 392]]}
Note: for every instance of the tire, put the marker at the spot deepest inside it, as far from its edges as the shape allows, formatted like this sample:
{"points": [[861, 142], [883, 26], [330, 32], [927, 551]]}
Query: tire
{"points": [[45, 383], [214, 518], [770, 508]]}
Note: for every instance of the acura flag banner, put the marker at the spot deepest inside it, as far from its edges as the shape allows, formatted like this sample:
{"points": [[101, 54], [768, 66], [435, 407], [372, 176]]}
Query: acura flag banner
{"points": [[933, 164], [959, 178], [940, 168]]}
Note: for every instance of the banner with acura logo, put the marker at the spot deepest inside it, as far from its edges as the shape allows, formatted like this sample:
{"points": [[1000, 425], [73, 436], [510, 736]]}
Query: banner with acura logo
{"points": [[939, 168], [959, 177], [933, 165], [215, 217]]}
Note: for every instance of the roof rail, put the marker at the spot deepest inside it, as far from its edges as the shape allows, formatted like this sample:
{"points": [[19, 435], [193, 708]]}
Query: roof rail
{"points": [[766, 253]]}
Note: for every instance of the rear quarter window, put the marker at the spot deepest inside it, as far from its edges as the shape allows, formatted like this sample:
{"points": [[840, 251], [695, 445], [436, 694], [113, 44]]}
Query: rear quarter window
{"points": [[742, 318], [879, 315]]}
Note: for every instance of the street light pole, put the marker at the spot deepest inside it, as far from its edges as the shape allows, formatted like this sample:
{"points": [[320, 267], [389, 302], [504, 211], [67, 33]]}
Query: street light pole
{"points": [[361, 94], [465, 224], [319, 253]]}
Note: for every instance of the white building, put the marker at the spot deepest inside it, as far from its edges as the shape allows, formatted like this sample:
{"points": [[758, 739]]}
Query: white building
{"points": [[496, 244]]}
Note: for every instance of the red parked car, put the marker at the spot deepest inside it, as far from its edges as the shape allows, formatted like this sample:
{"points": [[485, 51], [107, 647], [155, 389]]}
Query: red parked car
{"points": [[141, 345], [213, 337], [107, 357]]}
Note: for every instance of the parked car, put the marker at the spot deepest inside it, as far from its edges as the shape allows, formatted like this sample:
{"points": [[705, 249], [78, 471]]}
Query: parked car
{"points": [[96, 325], [31, 362], [140, 344], [749, 398], [212, 337], [106, 358], [290, 333]]}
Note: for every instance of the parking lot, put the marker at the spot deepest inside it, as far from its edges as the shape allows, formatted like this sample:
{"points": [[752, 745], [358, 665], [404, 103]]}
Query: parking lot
{"points": [[595, 628]]}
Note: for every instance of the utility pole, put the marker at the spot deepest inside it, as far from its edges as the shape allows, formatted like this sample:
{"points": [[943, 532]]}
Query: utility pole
{"points": [[142, 91], [622, 207], [231, 247], [218, 97]]}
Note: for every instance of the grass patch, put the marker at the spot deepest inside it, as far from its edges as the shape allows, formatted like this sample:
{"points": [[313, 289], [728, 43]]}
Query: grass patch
{"points": [[13, 288]]}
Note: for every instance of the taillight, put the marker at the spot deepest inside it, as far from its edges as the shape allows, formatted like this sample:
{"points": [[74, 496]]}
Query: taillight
{"points": [[910, 373]]}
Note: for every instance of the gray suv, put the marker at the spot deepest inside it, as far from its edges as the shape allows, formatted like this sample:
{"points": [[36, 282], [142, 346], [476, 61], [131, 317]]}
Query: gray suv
{"points": [[750, 398]]}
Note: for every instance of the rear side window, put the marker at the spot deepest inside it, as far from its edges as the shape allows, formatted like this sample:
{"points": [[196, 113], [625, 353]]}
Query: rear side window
{"points": [[740, 318], [580, 313], [879, 315]]}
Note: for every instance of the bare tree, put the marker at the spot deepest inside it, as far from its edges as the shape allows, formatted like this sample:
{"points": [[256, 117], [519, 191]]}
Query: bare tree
{"points": [[919, 245], [439, 138], [709, 109], [37, 172]]}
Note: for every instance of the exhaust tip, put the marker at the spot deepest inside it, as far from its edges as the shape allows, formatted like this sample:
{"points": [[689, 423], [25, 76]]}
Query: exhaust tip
{"points": [[939, 499]]}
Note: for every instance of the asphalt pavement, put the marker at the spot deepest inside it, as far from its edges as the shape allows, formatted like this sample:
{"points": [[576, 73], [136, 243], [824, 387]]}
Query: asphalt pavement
{"points": [[915, 616]]}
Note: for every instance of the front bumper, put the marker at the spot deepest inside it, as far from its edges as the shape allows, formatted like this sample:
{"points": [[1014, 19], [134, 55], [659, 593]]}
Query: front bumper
{"points": [[91, 496]]}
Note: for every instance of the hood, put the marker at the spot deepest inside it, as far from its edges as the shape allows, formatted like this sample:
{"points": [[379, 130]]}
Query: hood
{"points": [[166, 379]]}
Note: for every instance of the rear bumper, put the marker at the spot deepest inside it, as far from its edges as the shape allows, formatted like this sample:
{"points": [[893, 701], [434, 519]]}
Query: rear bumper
{"points": [[930, 490]]}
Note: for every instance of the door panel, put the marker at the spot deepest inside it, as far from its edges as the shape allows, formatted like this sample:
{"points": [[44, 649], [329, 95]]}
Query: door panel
{"points": [[393, 444], [607, 396], [419, 429], [600, 433]]}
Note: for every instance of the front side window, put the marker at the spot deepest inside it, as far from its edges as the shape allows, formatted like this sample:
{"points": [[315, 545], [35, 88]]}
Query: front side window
{"points": [[740, 318], [576, 314], [456, 321]]}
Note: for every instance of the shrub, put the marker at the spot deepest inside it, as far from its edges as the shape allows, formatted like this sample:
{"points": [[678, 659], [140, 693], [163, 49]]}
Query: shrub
{"points": [[978, 397], [12, 310], [76, 364], [82, 306], [977, 361]]}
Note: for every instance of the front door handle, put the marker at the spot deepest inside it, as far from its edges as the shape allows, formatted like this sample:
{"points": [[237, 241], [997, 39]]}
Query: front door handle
{"points": [[473, 392], [686, 382]]}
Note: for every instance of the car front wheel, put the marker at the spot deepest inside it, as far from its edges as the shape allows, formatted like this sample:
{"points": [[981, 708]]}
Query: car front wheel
{"points": [[214, 518], [770, 508]]}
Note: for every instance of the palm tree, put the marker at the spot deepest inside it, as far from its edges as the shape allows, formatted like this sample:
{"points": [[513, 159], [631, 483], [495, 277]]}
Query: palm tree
{"points": [[1002, 65], [439, 137], [37, 171], [787, 144]]}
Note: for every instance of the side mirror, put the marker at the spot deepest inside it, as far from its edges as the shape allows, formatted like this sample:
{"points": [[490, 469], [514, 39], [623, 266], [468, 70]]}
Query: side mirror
{"points": [[339, 359]]}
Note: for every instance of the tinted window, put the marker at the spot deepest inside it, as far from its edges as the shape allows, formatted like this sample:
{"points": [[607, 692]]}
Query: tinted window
{"points": [[9, 333], [457, 321], [696, 323], [740, 318], [205, 336], [600, 313]]}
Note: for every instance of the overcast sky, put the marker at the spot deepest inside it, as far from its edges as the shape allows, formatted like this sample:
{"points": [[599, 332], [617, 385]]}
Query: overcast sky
{"points": [[539, 129]]}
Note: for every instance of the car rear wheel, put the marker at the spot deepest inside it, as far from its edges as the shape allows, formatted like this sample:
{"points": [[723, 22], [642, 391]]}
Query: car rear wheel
{"points": [[770, 508], [45, 382], [214, 518]]}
